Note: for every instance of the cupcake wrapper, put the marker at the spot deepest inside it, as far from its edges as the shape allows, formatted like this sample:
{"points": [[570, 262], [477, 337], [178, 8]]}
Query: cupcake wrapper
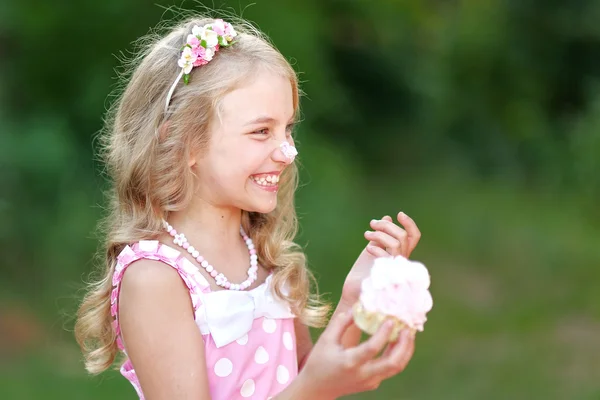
{"points": [[369, 322]]}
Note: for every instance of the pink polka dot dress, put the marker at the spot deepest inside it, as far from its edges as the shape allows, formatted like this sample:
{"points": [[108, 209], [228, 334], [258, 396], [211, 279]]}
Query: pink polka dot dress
{"points": [[249, 338]]}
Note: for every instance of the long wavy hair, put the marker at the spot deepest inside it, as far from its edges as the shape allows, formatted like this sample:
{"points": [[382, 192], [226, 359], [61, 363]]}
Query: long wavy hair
{"points": [[149, 176]]}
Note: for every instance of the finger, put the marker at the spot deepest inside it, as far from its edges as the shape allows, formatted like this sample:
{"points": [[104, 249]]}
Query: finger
{"points": [[371, 347], [372, 243], [390, 347], [395, 358], [401, 356], [371, 385], [392, 245], [376, 251], [337, 326], [413, 234], [388, 226], [394, 231]]}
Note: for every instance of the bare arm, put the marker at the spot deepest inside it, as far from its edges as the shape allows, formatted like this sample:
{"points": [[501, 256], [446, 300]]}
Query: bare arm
{"points": [[160, 335], [353, 333]]}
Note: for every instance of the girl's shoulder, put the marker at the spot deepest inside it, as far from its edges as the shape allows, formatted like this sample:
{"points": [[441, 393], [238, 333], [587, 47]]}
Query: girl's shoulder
{"points": [[157, 251]]}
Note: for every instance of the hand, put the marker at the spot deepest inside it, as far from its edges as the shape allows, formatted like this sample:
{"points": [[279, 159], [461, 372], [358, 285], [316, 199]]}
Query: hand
{"points": [[332, 371], [388, 239]]}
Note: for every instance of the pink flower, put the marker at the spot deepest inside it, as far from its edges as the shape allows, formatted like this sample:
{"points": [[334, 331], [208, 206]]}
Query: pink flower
{"points": [[230, 33], [193, 41], [398, 287], [200, 53], [219, 26]]}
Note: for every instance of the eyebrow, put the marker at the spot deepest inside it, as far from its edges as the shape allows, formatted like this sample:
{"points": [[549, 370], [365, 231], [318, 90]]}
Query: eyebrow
{"points": [[266, 119]]}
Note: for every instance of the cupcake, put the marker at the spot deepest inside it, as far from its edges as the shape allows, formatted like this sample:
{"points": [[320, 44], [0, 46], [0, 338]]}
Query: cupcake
{"points": [[397, 289]]}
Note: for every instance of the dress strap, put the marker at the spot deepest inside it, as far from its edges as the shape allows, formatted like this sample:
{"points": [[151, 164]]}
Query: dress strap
{"points": [[154, 250]]}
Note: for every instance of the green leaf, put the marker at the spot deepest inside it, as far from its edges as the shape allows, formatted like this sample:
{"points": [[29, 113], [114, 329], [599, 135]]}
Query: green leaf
{"points": [[203, 43], [186, 78]]}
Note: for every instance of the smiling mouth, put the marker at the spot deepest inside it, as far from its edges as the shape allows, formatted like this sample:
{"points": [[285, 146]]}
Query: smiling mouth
{"points": [[266, 180]]}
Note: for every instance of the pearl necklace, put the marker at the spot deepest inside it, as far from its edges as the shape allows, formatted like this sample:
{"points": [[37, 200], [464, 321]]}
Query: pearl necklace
{"points": [[180, 240]]}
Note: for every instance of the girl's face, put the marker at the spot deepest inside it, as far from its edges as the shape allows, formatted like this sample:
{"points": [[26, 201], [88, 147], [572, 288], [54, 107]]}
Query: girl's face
{"points": [[244, 160]]}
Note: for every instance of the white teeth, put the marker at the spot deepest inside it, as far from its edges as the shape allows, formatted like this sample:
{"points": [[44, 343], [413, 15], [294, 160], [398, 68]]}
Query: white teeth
{"points": [[268, 180]]}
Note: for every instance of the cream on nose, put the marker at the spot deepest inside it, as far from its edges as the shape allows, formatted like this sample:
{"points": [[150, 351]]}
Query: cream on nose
{"points": [[288, 151]]}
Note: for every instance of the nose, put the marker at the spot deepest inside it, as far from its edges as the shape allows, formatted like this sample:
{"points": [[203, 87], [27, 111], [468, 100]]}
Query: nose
{"points": [[285, 153]]}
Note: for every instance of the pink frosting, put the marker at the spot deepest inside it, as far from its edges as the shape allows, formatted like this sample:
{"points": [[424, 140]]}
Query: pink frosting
{"points": [[398, 287]]}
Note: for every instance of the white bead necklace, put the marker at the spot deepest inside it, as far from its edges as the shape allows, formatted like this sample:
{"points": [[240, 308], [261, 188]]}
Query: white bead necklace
{"points": [[180, 240]]}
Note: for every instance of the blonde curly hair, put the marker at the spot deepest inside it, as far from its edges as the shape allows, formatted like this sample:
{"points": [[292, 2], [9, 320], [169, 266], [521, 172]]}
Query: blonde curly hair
{"points": [[150, 179]]}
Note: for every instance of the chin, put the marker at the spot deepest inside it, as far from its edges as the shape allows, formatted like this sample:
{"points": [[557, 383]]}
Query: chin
{"points": [[264, 208]]}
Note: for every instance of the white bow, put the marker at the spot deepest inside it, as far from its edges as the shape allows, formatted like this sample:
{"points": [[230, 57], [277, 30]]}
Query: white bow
{"points": [[228, 315]]}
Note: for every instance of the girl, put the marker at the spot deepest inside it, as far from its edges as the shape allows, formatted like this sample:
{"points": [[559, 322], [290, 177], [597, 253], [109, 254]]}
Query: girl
{"points": [[204, 290]]}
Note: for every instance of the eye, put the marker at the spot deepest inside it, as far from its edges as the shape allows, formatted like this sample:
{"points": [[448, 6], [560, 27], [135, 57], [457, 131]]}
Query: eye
{"points": [[261, 132]]}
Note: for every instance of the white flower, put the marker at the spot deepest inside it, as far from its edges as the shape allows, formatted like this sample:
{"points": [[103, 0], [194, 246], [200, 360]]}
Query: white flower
{"points": [[187, 60], [197, 30], [220, 278], [208, 35], [209, 54], [211, 37], [177, 240]]}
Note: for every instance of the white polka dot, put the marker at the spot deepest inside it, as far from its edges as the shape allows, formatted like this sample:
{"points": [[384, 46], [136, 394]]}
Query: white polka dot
{"points": [[261, 356], [247, 388], [269, 325], [243, 340], [288, 342], [223, 367], [283, 374]]}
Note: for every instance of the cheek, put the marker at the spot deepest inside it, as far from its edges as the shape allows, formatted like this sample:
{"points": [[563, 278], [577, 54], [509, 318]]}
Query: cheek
{"points": [[237, 161], [253, 156]]}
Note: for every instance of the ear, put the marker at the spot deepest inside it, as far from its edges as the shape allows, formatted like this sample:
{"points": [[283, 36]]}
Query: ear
{"points": [[192, 157], [192, 160]]}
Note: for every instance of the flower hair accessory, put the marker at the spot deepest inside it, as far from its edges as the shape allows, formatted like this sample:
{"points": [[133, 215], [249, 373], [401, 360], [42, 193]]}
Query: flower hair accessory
{"points": [[200, 48]]}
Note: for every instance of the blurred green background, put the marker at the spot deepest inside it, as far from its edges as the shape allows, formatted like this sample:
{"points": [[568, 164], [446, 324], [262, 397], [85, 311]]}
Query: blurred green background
{"points": [[478, 118]]}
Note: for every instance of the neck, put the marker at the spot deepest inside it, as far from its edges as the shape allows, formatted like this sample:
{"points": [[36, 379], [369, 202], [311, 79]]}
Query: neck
{"points": [[208, 227]]}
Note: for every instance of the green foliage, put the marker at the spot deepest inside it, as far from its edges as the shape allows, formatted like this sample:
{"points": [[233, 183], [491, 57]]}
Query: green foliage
{"points": [[480, 119]]}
